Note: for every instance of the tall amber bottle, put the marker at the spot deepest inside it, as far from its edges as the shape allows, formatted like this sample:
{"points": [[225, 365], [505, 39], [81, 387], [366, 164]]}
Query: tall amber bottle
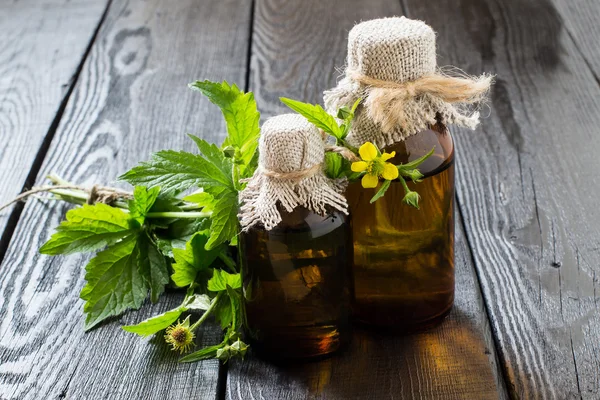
{"points": [[296, 246], [404, 257]]}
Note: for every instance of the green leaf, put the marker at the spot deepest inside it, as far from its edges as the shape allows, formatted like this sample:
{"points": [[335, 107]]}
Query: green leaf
{"points": [[334, 165], [316, 115], [143, 200], [214, 155], [179, 170], [223, 312], [194, 260], [202, 199], [240, 113], [236, 308], [153, 266], [88, 228], [224, 220], [157, 323], [199, 302], [221, 279], [415, 163], [204, 354], [382, 189], [114, 283]]}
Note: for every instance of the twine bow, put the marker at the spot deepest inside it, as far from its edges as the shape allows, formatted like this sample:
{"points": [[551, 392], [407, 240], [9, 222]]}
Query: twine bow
{"points": [[392, 104]]}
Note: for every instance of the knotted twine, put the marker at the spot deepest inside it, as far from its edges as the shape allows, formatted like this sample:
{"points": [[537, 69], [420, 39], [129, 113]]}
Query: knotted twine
{"points": [[392, 66], [289, 174]]}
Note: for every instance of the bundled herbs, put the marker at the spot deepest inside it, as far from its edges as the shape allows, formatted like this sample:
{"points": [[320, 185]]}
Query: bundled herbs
{"points": [[179, 227]]}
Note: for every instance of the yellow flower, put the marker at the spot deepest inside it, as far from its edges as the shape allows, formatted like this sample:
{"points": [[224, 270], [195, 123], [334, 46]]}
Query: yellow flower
{"points": [[180, 336], [375, 165]]}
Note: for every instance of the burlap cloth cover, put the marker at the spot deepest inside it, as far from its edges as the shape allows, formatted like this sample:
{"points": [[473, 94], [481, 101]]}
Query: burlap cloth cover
{"points": [[391, 64], [290, 173]]}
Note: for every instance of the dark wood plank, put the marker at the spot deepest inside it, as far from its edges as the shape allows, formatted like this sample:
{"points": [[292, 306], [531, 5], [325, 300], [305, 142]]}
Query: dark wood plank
{"points": [[131, 99], [42, 44], [581, 22], [528, 189], [296, 49]]}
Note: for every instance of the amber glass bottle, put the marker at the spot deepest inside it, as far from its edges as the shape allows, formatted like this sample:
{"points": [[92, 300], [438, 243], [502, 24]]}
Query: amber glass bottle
{"points": [[296, 285], [403, 257]]}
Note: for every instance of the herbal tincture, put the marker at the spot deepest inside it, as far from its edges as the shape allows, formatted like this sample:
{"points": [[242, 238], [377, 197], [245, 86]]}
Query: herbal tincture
{"points": [[403, 257], [296, 247]]}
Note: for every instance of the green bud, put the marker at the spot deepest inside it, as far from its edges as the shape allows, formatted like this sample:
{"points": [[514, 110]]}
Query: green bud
{"points": [[414, 174], [239, 347], [224, 353], [229, 151], [412, 199], [345, 113]]}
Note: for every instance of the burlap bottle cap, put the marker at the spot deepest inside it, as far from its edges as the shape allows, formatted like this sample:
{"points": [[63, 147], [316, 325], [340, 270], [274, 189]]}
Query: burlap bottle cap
{"points": [[391, 65], [289, 174], [392, 49]]}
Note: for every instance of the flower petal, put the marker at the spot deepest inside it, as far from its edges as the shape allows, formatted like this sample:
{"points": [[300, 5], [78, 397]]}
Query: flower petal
{"points": [[369, 181], [387, 156], [368, 151], [359, 166], [390, 172]]}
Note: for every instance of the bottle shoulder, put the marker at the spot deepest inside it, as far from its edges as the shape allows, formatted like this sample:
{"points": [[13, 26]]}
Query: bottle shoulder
{"points": [[438, 137]]}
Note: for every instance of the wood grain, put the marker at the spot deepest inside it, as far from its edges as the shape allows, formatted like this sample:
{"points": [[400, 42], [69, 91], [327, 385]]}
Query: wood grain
{"points": [[296, 49], [581, 23], [131, 99], [528, 189], [42, 43]]}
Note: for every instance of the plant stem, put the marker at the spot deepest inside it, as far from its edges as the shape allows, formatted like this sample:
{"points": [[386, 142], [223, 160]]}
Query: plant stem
{"points": [[213, 304], [179, 214], [228, 261]]}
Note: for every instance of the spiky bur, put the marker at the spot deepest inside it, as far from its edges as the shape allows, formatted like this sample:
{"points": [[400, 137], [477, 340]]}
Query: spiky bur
{"points": [[180, 336]]}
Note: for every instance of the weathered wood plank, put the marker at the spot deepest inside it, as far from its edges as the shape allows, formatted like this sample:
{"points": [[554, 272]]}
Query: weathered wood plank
{"points": [[581, 22], [296, 48], [131, 99], [42, 44], [528, 189]]}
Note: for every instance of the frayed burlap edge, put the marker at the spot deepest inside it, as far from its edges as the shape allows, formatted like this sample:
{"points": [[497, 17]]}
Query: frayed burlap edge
{"points": [[263, 194], [391, 112]]}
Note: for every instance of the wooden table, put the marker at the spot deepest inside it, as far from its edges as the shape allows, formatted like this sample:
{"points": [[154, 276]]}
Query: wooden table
{"points": [[90, 87]]}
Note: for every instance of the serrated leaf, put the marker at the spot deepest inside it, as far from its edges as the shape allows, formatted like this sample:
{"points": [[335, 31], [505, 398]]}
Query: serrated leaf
{"points": [[178, 171], [223, 312], [221, 279], [214, 155], [224, 220], [114, 283], [153, 267], [88, 228], [155, 324], [316, 115], [241, 116], [143, 200], [193, 262], [202, 199]]}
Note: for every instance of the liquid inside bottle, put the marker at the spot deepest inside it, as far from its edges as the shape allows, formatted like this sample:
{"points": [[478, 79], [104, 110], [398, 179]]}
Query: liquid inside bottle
{"points": [[296, 285], [404, 257]]}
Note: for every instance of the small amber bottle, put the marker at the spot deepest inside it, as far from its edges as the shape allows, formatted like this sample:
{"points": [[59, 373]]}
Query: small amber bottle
{"points": [[296, 284], [403, 257], [296, 246]]}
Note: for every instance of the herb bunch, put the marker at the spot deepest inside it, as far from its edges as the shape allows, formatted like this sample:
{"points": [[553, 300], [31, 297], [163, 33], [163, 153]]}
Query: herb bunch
{"points": [[165, 236], [179, 228]]}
